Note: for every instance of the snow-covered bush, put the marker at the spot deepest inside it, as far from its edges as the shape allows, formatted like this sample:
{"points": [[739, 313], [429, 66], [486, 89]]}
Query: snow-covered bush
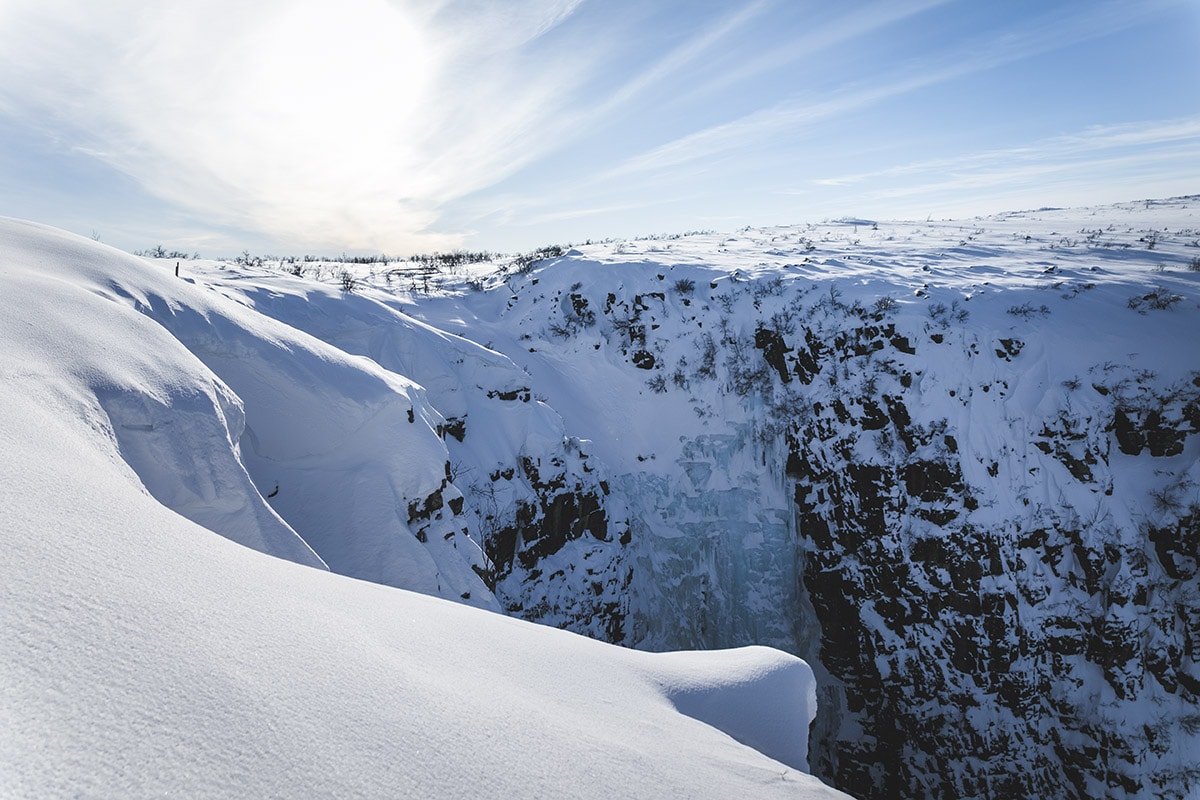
{"points": [[1027, 310], [524, 263], [1159, 299]]}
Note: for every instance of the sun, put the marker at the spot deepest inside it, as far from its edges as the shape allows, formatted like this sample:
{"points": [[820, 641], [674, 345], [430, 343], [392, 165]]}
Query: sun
{"points": [[354, 60], [321, 104]]}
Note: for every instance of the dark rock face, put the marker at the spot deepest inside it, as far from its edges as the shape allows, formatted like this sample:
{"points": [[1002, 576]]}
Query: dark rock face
{"points": [[995, 574], [555, 555], [932, 623], [1153, 429], [973, 643], [643, 359], [774, 351]]}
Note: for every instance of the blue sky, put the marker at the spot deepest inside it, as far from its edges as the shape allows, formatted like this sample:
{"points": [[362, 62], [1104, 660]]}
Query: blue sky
{"points": [[291, 126]]}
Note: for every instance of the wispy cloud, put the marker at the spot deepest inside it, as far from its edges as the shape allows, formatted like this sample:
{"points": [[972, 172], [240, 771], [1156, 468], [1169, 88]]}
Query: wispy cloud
{"points": [[792, 117], [350, 123], [1132, 154], [682, 55], [841, 31], [402, 124], [580, 213], [1090, 144]]}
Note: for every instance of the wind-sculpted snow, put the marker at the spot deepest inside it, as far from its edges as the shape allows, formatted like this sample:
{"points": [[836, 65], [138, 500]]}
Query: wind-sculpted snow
{"points": [[527, 491], [754, 694], [342, 449], [145, 656], [71, 332]]}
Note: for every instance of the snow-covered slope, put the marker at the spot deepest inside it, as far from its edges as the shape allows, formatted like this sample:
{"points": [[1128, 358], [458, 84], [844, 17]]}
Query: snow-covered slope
{"points": [[144, 655], [516, 473]]}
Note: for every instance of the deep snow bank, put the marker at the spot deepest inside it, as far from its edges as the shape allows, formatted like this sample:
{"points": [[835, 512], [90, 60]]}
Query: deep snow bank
{"points": [[216, 408], [145, 655], [72, 335], [953, 464]]}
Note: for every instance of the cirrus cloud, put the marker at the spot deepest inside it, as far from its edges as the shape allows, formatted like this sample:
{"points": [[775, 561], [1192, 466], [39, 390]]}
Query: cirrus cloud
{"points": [[349, 124]]}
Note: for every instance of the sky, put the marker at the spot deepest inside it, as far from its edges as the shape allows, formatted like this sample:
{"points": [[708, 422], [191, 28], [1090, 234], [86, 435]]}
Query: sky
{"points": [[404, 126]]}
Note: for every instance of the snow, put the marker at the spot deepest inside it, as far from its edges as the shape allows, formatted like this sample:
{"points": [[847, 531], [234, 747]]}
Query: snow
{"points": [[144, 655], [1027, 334], [397, 433]]}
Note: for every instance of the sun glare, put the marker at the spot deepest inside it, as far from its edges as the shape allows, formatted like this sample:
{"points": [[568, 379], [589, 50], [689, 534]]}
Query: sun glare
{"points": [[325, 107], [353, 61]]}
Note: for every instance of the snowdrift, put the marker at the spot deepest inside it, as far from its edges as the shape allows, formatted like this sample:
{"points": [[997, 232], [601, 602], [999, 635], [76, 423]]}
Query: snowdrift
{"points": [[144, 655]]}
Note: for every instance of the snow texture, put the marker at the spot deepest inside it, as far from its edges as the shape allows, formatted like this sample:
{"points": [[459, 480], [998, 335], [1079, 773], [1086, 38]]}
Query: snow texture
{"points": [[146, 656], [953, 465]]}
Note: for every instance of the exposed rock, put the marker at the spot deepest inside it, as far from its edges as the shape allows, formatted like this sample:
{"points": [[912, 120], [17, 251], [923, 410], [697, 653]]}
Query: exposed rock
{"points": [[992, 567]]}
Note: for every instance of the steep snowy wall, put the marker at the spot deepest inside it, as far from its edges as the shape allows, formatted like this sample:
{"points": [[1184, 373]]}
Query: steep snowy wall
{"points": [[553, 545], [145, 656], [277, 440], [954, 466], [71, 333]]}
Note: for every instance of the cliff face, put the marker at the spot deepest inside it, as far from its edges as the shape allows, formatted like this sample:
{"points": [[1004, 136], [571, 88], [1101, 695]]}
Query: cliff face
{"points": [[145, 656], [952, 465], [990, 580], [955, 466]]}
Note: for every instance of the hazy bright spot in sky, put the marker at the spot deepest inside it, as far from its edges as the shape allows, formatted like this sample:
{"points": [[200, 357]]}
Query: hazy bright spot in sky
{"points": [[309, 115], [318, 55], [318, 65], [408, 126], [329, 108]]}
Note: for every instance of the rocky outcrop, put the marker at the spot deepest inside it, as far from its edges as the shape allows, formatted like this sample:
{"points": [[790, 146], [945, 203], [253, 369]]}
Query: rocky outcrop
{"points": [[555, 556]]}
